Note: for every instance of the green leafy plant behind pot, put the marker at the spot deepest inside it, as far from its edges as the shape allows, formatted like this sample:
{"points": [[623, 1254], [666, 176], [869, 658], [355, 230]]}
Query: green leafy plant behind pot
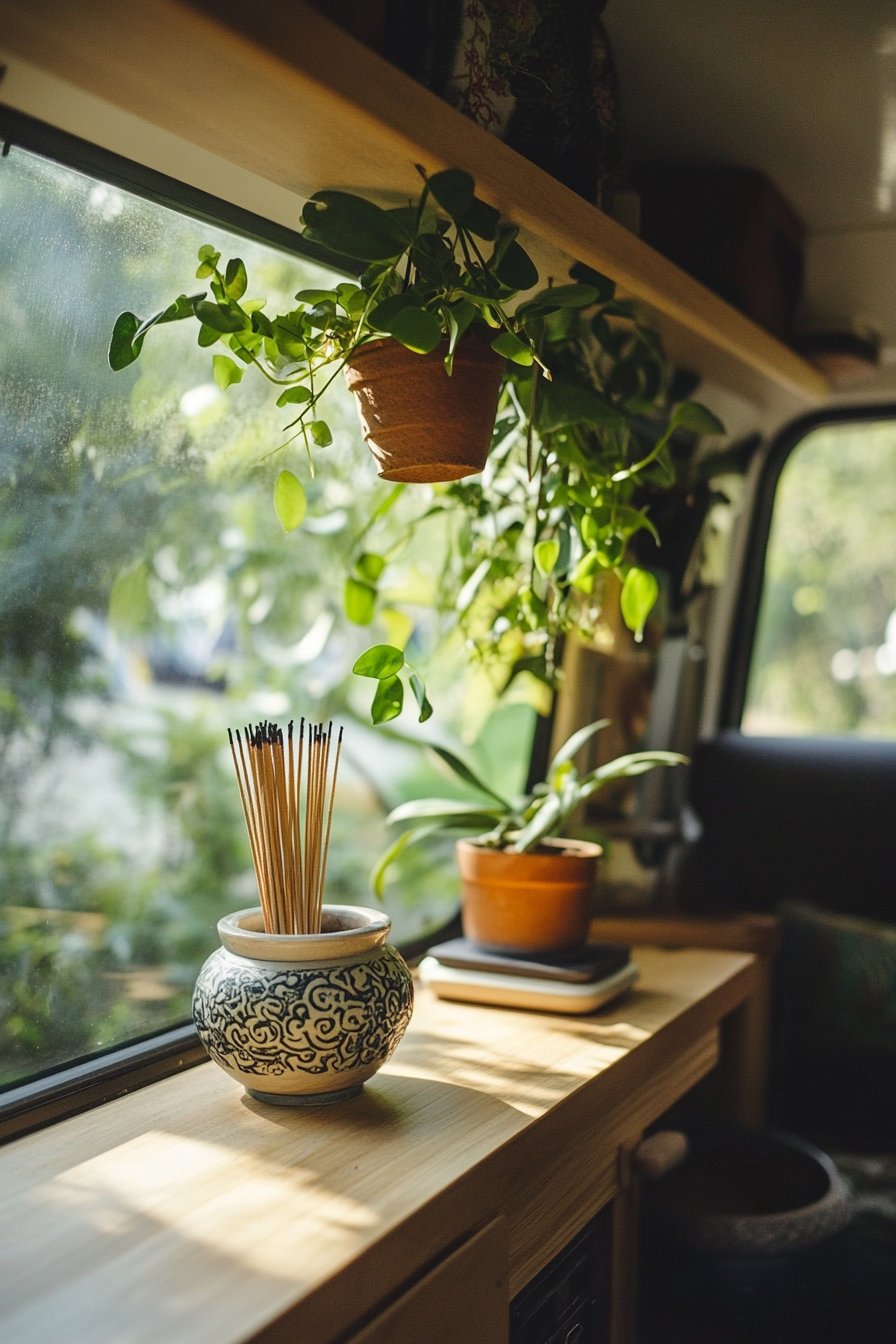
{"points": [[517, 826]]}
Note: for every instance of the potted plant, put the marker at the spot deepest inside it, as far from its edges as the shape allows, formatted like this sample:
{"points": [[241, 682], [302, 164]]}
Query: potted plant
{"points": [[524, 888], [422, 335]]}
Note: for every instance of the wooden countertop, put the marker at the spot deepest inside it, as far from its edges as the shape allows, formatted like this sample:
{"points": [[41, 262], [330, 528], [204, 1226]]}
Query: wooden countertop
{"points": [[187, 1212]]}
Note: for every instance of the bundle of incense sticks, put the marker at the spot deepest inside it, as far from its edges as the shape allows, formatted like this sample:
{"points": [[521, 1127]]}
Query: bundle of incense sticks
{"points": [[287, 792]]}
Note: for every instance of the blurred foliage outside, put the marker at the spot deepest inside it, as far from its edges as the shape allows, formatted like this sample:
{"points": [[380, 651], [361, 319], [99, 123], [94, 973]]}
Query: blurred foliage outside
{"points": [[148, 600], [824, 659]]}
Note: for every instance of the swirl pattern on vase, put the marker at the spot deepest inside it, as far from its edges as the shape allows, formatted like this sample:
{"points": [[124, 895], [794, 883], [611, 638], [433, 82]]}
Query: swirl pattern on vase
{"points": [[320, 1020]]}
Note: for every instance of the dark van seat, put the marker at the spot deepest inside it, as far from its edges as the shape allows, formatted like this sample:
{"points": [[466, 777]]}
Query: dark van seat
{"points": [[794, 819]]}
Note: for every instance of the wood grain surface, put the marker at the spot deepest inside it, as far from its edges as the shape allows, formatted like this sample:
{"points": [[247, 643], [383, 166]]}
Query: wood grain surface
{"points": [[307, 107], [190, 1213]]}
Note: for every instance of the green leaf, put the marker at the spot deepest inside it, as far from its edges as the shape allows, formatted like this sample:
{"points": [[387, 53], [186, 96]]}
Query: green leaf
{"points": [[546, 554], [236, 281], [320, 433], [419, 689], [574, 744], [354, 227], [208, 253], [563, 402], [122, 349], [516, 268], [208, 336], [569, 296], [226, 372], [449, 811], [388, 700], [129, 600], [590, 532], [360, 603], [219, 317], [482, 220], [605, 287], [290, 503], [637, 763], [463, 771], [315, 296], [294, 394], [370, 566], [411, 837], [381, 661], [639, 592], [418, 330], [454, 190], [697, 418], [511, 347]]}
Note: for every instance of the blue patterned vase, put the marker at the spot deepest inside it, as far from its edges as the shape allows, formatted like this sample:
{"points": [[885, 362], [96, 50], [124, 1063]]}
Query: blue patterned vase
{"points": [[303, 1019]]}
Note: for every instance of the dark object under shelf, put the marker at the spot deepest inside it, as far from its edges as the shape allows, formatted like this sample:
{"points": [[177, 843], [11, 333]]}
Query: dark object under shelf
{"points": [[540, 76], [731, 229], [569, 1300]]}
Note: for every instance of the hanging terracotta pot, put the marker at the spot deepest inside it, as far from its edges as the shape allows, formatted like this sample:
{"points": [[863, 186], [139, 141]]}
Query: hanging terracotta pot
{"points": [[421, 425], [539, 902]]}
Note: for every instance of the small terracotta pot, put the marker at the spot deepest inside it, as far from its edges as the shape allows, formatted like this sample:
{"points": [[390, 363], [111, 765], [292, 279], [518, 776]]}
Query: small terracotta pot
{"points": [[421, 425], [527, 902]]}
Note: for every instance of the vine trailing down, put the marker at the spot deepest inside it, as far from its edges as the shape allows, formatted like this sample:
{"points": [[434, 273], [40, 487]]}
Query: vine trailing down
{"points": [[541, 541], [585, 413]]}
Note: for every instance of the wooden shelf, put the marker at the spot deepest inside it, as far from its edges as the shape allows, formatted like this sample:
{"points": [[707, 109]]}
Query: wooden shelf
{"points": [[189, 1213], [277, 90]]}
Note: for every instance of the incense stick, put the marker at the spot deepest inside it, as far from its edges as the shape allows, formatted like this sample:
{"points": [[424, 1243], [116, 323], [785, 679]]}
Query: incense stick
{"points": [[287, 797]]}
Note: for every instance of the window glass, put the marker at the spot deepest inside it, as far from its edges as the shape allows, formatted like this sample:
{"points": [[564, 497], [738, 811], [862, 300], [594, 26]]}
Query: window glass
{"points": [[148, 600], [824, 658]]}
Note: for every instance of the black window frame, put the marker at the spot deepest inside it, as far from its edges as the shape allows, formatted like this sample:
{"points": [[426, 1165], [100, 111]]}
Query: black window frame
{"points": [[752, 577], [67, 1089]]}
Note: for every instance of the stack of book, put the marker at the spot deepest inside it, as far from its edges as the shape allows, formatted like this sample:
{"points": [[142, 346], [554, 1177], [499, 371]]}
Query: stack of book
{"points": [[577, 981]]}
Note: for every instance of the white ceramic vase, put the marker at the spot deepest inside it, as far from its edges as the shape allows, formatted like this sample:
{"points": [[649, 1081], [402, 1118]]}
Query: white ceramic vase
{"points": [[303, 1019]]}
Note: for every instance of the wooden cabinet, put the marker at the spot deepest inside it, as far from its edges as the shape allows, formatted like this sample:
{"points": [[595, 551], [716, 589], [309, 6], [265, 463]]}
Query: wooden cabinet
{"points": [[462, 1301]]}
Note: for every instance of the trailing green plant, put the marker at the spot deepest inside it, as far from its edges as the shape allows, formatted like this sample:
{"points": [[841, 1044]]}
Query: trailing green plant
{"points": [[426, 279], [520, 825], [536, 538]]}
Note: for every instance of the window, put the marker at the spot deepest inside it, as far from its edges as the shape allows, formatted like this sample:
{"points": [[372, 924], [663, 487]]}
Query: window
{"points": [[148, 600], [824, 657]]}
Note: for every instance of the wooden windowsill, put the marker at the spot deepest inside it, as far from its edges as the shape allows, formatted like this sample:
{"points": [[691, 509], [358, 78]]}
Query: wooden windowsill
{"points": [[188, 1213]]}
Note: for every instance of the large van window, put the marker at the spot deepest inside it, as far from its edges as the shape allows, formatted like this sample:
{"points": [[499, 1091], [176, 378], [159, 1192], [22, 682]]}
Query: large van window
{"points": [[824, 657], [149, 599]]}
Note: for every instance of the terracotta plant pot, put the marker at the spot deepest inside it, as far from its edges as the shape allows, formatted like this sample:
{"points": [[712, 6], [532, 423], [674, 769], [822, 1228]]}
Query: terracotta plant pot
{"points": [[303, 1019], [537, 902], [421, 425]]}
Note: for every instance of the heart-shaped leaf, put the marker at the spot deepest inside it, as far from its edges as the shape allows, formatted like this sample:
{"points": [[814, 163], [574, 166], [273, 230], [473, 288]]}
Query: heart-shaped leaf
{"points": [[454, 190], [236, 281], [516, 269], [354, 227], [226, 372], [360, 602], [546, 554], [388, 700], [221, 317], [321, 433], [292, 395], [639, 592], [380, 661], [290, 503], [122, 349], [698, 419], [370, 566], [511, 347]]}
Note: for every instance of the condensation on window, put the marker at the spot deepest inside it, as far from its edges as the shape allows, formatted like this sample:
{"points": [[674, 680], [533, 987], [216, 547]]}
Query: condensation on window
{"points": [[824, 658], [148, 600]]}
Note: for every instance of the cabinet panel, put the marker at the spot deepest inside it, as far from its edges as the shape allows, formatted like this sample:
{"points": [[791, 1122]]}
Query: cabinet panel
{"points": [[464, 1300]]}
